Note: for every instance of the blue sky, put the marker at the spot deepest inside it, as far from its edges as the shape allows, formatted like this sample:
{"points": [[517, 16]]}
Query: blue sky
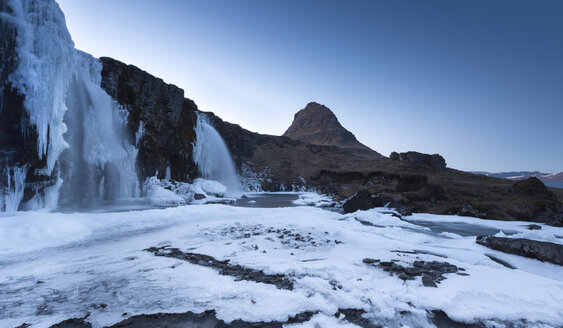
{"points": [[480, 82]]}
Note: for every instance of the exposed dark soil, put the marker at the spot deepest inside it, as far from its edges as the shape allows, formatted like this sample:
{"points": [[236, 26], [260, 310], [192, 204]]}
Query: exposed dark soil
{"points": [[431, 272], [224, 267]]}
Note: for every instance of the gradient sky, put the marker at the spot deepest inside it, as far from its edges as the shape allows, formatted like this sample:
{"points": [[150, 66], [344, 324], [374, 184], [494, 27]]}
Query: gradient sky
{"points": [[480, 82]]}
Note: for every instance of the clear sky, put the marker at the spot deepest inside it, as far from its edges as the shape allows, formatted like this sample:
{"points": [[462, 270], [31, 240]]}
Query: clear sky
{"points": [[480, 82]]}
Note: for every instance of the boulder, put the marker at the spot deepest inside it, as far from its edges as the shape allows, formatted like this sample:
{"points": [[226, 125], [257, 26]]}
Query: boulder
{"points": [[540, 250], [361, 201]]}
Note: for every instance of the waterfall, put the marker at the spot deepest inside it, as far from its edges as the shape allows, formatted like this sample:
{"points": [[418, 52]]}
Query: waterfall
{"points": [[99, 164], [212, 157], [81, 131]]}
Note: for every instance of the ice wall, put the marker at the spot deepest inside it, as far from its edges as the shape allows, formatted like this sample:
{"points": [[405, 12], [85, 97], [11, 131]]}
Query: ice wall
{"points": [[82, 146], [212, 156]]}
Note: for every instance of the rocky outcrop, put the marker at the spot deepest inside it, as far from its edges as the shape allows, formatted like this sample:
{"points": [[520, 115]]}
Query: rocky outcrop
{"points": [[317, 124], [167, 119], [534, 200], [435, 161], [540, 250]]}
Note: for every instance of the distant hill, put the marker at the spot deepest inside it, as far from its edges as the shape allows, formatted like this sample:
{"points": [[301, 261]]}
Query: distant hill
{"points": [[317, 124], [521, 175]]}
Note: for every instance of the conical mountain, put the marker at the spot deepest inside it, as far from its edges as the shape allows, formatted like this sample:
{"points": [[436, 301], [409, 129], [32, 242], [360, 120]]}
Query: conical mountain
{"points": [[317, 124]]}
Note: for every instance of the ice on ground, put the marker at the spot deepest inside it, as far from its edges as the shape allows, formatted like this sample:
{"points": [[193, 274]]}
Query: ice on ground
{"points": [[509, 229], [314, 199], [55, 266]]}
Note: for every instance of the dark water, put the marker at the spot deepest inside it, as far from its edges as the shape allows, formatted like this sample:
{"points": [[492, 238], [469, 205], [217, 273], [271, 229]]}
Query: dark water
{"points": [[267, 200], [555, 184], [459, 228]]}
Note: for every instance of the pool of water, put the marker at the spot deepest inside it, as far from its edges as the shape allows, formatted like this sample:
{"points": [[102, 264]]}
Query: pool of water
{"points": [[267, 200], [459, 228]]}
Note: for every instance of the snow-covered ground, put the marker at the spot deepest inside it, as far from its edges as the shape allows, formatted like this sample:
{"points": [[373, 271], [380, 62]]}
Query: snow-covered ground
{"points": [[55, 266]]}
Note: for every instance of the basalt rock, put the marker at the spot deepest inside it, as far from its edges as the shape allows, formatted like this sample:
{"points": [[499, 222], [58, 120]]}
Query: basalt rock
{"points": [[540, 250], [168, 119], [435, 161]]}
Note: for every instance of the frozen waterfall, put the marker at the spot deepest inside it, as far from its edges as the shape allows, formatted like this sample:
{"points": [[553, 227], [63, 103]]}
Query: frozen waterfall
{"points": [[99, 164], [81, 134], [212, 157]]}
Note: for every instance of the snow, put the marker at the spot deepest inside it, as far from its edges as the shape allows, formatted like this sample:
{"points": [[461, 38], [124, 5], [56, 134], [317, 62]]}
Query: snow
{"points": [[314, 199], [45, 53], [509, 229], [83, 259]]}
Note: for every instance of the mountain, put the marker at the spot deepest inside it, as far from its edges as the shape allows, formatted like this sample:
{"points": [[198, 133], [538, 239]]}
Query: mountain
{"points": [[521, 175], [316, 124], [555, 177]]}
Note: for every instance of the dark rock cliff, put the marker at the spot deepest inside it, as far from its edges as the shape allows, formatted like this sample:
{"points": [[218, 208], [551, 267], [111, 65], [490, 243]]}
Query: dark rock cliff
{"points": [[168, 119]]}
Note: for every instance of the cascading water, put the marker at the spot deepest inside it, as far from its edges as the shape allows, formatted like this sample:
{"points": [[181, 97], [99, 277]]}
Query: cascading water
{"points": [[99, 164], [81, 134], [212, 157]]}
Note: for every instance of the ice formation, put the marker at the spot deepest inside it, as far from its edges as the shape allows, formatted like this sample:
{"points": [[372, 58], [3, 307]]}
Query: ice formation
{"points": [[62, 90], [212, 156], [99, 164]]}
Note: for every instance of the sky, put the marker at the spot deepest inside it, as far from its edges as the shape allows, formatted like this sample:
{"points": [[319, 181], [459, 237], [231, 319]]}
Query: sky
{"points": [[479, 82]]}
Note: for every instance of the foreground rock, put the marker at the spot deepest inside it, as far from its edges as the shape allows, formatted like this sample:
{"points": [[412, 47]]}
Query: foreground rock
{"points": [[188, 319], [431, 272], [224, 267], [540, 250]]}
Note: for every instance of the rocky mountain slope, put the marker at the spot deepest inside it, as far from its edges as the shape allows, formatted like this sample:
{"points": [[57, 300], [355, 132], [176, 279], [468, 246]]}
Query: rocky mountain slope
{"points": [[317, 124], [274, 163], [521, 175]]}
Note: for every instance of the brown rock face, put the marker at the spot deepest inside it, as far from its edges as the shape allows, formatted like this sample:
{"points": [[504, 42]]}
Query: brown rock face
{"points": [[317, 124]]}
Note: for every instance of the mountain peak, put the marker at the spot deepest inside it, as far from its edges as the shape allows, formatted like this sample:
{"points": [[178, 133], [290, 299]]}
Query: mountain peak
{"points": [[318, 125]]}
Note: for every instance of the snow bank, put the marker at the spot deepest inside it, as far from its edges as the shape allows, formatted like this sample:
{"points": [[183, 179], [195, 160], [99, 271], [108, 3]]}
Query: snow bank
{"points": [[87, 259], [314, 199]]}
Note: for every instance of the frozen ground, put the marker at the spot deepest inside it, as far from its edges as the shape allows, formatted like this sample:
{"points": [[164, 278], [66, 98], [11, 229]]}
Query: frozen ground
{"points": [[55, 266]]}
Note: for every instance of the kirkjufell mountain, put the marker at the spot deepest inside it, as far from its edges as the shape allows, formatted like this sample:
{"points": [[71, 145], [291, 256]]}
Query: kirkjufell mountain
{"points": [[124, 204], [317, 124]]}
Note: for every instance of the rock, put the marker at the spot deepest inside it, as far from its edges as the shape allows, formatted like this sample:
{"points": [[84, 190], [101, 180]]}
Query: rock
{"points": [[360, 201], [428, 282], [199, 196], [534, 227], [468, 210], [168, 119], [531, 200], [369, 261], [317, 124], [540, 250], [435, 161]]}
